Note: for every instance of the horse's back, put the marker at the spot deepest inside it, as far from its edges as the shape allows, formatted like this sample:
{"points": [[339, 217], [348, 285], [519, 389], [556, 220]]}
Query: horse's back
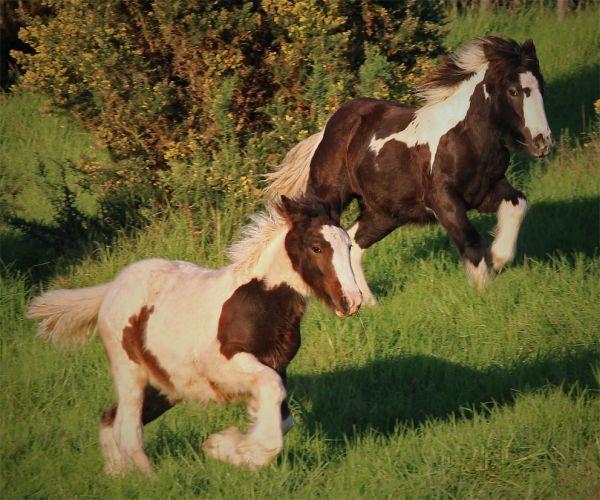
{"points": [[343, 155]]}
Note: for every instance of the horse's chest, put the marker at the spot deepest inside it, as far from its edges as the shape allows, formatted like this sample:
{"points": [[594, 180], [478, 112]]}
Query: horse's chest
{"points": [[263, 322]]}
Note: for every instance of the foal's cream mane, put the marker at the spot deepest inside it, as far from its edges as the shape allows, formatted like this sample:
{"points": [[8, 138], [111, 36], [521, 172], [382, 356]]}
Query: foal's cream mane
{"points": [[255, 237], [443, 81]]}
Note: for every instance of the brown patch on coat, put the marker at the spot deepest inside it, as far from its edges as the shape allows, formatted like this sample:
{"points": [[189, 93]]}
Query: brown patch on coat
{"points": [[108, 416], [263, 322], [134, 343], [154, 405]]}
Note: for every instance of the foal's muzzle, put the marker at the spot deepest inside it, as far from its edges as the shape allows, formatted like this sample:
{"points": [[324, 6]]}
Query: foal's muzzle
{"points": [[350, 304]]}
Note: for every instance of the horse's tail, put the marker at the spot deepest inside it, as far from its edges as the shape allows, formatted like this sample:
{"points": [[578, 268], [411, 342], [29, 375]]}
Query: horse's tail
{"points": [[68, 316], [291, 177]]}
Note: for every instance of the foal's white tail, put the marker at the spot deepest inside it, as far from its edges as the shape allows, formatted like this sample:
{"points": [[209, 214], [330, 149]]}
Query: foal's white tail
{"points": [[291, 177], [68, 316]]}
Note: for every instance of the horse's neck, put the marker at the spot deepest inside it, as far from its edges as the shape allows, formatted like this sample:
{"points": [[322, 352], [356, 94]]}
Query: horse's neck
{"points": [[275, 268]]}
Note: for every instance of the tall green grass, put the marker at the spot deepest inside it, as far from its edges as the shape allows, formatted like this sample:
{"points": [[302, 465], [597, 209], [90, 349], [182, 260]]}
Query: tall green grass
{"points": [[439, 392]]}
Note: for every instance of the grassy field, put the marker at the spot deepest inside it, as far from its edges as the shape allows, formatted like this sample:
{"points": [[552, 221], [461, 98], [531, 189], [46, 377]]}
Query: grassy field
{"points": [[438, 392]]}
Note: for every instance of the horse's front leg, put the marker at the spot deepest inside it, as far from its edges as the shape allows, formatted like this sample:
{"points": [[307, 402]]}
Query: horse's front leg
{"points": [[264, 441], [451, 212], [511, 207], [368, 229]]}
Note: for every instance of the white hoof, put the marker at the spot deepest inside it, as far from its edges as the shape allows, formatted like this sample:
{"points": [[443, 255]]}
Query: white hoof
{"points": [[222, 445], [369, 299], [241, 450]]}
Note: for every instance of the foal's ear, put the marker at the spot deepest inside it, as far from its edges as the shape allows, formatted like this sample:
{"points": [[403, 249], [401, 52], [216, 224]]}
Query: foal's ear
{"points": [[288, 208], [529, 48]]}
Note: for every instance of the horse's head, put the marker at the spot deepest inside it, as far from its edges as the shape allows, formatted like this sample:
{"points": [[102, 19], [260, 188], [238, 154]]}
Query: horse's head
{"points": [[319, 250], [516, 86]]}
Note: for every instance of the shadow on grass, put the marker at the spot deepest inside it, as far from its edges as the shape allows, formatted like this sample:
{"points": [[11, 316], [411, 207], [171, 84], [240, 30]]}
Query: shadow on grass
{"points": [[569, 101], [410, 390], [567, 228]]}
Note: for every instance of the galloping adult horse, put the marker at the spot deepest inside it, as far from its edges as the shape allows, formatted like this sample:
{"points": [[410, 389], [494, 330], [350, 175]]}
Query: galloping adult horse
{"points": [[437, 162], [173, 330]]}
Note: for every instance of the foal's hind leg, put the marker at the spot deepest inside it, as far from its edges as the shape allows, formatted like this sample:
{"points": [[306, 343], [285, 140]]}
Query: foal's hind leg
{"points": [[121, 426], [154, 405], [511, 206], [264, 441], [368, 229]]}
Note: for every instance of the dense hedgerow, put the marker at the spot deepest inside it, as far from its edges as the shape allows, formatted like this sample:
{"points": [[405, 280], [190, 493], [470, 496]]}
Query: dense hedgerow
{"points": [[195, 99]]}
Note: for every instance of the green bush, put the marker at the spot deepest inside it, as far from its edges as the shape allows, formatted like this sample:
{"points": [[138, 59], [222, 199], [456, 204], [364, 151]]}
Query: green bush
{"points": [[195, 99]]}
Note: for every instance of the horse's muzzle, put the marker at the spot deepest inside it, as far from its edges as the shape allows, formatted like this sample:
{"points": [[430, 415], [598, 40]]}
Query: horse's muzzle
{"points": [[542, 146]]}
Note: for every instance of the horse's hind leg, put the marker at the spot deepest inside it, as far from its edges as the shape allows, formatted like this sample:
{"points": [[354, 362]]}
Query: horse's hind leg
{"points": [[264, 441], [368, 229]]}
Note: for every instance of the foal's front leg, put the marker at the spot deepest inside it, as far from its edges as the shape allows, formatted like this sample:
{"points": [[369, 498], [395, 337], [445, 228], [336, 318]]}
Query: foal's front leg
{"points": [[451, 212], [264, 441], [511, 207]]}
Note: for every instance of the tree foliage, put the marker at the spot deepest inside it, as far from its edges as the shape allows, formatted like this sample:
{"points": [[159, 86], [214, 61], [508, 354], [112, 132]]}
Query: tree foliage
{"points": [[195, 99]]}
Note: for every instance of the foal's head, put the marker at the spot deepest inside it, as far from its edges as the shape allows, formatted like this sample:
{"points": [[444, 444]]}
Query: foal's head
{"points": [[319, 250], [516, 86]]}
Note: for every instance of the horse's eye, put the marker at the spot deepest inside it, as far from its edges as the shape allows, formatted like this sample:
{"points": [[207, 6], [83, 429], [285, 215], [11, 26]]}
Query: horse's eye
{"points": [[513, 92], [316, 249]]}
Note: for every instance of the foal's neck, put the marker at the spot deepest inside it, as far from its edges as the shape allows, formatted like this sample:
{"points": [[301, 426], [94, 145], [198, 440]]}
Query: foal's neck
{"points": [[274, 266]]}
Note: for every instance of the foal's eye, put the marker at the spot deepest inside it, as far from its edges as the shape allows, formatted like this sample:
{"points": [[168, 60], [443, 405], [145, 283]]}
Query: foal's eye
{"points": [[316, 249], [513, 92]]}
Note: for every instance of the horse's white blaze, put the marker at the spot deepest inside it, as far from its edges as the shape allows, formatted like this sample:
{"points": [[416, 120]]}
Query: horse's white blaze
{"points": [[356, 254], [478, 275], [533, 107], [340, 243], [432, 121], [504, 246]]}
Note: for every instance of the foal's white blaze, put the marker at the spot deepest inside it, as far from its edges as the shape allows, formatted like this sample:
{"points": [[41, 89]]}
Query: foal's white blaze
{"points": [[504, 246], [340, 243], [533, 107], [433, 121]]}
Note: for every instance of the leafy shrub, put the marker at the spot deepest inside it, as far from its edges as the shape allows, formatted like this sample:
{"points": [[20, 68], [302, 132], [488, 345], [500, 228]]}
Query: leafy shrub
{"points": [[195, 99]]}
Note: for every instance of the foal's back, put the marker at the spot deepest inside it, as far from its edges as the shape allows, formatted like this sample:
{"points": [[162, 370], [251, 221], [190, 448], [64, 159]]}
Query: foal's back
{"points": [[185, 301]]}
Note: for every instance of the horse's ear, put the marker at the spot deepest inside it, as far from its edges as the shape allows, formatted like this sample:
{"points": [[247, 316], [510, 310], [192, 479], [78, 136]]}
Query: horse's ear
{"points": [[529, 48]]}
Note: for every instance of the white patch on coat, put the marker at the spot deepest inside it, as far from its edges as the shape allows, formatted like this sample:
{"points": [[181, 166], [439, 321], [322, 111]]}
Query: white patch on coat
{"points": [[356, 254], [485, 92], [510, 218], [533, 107], [340, 243], [433, 121]]}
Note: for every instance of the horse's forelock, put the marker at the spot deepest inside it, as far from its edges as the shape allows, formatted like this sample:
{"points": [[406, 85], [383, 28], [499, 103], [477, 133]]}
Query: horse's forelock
{"points": [[508, 56]]}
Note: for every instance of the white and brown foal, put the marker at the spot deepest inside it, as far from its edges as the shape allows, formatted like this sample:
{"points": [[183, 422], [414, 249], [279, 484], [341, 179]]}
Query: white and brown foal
{"points": [[175, 331]]}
